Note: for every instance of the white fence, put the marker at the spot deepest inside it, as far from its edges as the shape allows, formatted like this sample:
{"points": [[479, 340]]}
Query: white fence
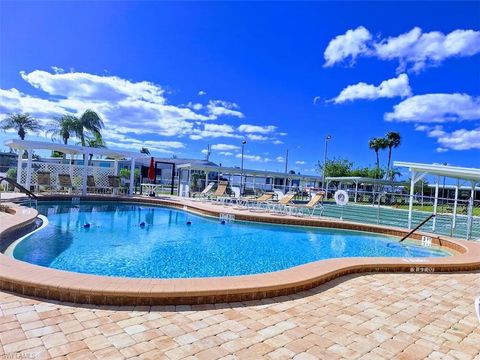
{"points": [[99, 173]]}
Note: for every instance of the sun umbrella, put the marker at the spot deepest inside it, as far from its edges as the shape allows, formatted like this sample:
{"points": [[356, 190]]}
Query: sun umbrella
{"points": [[151, 170]]}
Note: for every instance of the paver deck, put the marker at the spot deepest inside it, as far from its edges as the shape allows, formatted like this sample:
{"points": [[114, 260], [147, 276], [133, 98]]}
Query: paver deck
{"points": [[373, 316]]}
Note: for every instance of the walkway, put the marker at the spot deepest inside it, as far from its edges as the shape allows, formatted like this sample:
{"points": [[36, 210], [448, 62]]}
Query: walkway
{"points": [[375, 316]]}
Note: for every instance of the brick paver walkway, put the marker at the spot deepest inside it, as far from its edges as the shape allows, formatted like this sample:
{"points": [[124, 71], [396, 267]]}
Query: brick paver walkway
{"points": [[376, 316]]}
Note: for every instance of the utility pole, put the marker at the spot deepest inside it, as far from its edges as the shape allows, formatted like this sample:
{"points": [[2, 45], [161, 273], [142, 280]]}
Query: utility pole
{"points": [[327, 139], [286, 172]]}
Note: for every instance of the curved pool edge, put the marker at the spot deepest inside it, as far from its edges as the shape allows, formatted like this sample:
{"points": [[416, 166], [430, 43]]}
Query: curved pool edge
{"points": [[28, 279]]}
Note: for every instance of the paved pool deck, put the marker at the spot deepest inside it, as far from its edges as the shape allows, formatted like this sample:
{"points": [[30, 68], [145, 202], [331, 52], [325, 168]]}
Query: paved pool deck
{"points": [[373, 316]]}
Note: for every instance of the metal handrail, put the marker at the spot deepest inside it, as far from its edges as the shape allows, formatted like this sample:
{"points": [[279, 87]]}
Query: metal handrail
{"points": [[418, 227], [19, 187]]}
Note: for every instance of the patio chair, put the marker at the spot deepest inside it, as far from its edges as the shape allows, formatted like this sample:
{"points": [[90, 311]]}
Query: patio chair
{"points": [[219, 196], [65, 182], [204, 193], [44, 179], [248, 202], [113, 183], [280, 205], [91, 185], [310, 207]]}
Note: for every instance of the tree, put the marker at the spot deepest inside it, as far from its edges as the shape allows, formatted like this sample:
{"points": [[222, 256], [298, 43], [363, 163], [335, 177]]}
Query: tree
{"points": [[377, 144], [336, 167], [89, 122], [63, 126], [145, 151], [22, 123], [96, 141], [393, 141]]}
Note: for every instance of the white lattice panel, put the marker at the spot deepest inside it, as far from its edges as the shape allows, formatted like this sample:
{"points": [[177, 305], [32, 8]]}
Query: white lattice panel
{"points": [[100, 174]]}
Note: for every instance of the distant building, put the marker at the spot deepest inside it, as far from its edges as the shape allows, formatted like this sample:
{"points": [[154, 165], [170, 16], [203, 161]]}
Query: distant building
{"points": [[7, 160]]}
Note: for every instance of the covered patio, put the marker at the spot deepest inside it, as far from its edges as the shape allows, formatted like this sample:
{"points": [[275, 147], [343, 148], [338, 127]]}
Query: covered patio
{"points": [[28, 170], [245, 180], [463, 177]]}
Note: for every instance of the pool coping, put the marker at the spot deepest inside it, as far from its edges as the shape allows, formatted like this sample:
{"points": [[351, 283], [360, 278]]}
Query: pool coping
{"points": [[28, 279]]}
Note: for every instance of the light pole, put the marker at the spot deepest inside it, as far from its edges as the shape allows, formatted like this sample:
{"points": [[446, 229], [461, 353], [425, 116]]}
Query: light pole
{"points": [[241, 169], [327, 139]]}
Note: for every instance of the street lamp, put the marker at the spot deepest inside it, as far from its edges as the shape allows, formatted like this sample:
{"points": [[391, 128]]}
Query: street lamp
{"points": [[241, 169], [327, 139]]}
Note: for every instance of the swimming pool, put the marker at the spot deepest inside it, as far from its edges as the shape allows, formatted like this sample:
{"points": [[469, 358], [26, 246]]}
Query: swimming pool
{"points": [[177, 244]]}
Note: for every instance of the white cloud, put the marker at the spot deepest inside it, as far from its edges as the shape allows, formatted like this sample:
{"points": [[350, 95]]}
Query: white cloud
{"points": [[280, 159], [316, 100], [225, 153], [436, 108], [214, 131], [300, 162], [204, 151], [225, 147], [461, 139], [398, 86], [256, 137], [195, 106], [94, 87], [441, 150], [247, 128], [349, 45], [218, 108], [129, 109], [254, 158], [414, 49], [202, 93], [421, 49]]}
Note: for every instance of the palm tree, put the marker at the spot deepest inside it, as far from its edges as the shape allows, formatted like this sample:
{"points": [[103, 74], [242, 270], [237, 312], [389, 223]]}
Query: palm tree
{"points": [[377, 144], [63, 126], [393, 140], [95, 142], [22, 123], [88, 122], [145, 151]]}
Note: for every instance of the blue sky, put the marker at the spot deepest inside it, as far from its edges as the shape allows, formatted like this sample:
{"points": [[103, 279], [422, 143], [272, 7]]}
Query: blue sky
{"points": [[177, 76]]}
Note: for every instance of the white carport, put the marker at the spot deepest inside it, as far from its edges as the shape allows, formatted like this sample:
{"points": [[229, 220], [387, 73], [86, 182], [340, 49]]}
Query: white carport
{"points": [[72, 150], [418, 171]]}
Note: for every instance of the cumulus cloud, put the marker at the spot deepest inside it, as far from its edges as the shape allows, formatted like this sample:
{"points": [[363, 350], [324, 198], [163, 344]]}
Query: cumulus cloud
{"points": [[300, 162], [436, 108], [89, 86], [202, 93], [225, 147], [398, 86], [223, 108], [129, 108], [214, 131], [460, 139], [254, 158], [414, 49], [280, 159], [349, 45], [246, 128], [256, 137], [225, 153]]}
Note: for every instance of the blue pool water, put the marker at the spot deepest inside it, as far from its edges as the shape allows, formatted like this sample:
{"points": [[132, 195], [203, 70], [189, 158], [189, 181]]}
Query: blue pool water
{"points": [[166, 247]]}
